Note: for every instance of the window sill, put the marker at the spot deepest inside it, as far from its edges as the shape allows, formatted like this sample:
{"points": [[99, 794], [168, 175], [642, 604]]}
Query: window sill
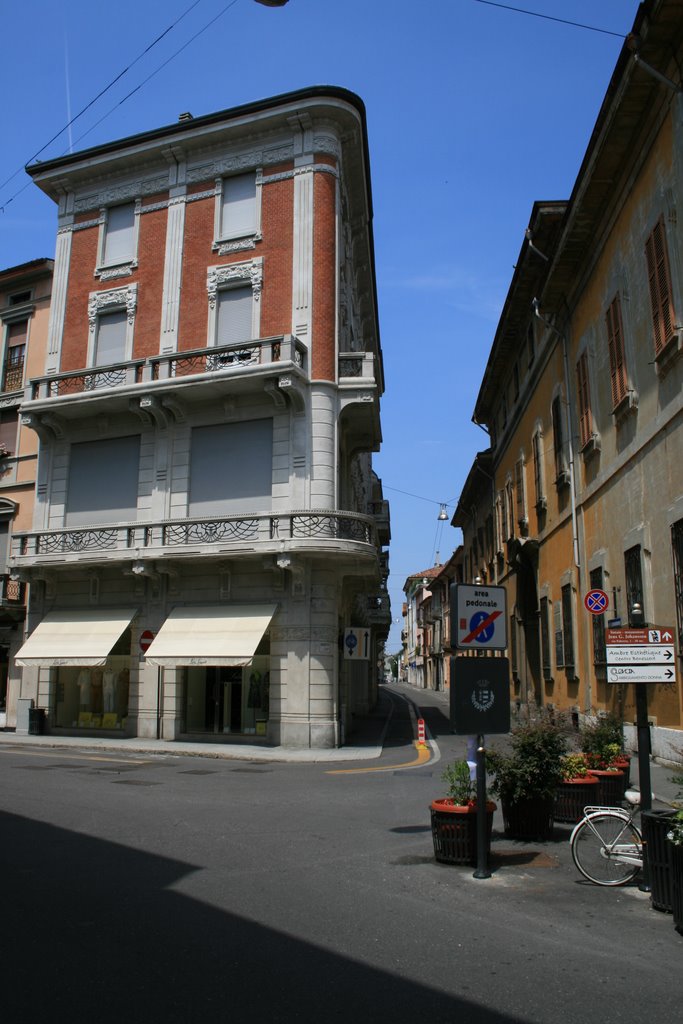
{"points": [[238, 243], [110, 272], [625, 406], [591, 447], [669, 353]]}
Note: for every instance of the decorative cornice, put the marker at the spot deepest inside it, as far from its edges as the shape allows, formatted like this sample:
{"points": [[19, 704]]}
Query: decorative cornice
{"points": [[115, 298], [131, 190], [241, 162], [243, 244], [218, 277]]}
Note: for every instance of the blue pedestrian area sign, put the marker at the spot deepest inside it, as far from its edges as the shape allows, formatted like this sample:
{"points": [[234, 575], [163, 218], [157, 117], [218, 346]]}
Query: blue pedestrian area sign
{"points": [[478, 617]]}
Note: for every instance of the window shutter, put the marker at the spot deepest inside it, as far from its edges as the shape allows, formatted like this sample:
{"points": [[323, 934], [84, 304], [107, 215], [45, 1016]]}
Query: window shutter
{"points": [[585, 424], [519, 486], [118, 243], [659, 279], [234, 316], [238, 212], [559, 634], [615, 339], [111, 338]]}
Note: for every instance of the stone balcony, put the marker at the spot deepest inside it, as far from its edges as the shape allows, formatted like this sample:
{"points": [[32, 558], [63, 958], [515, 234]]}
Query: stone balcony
{"points": [[320, 531]]}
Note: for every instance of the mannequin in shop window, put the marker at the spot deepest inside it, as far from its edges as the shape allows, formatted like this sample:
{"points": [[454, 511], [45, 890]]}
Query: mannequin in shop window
{"points": [[109, 681], [83, 683]]}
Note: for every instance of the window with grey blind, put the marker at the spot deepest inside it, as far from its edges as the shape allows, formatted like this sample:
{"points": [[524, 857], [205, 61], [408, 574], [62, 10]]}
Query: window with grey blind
{"points": [[103, 482], [567, 628], [238, 206], [9, 421], [110, 343], [119, 234], [234, 315], [231, 468]]}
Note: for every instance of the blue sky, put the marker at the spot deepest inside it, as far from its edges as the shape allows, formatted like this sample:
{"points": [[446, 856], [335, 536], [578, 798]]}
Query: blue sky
{"points": [[474, 112]]}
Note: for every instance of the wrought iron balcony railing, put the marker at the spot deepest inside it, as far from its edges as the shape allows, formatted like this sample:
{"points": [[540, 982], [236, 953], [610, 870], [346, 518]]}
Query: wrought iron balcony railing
{"points": [[266, 530], [229, 359]]}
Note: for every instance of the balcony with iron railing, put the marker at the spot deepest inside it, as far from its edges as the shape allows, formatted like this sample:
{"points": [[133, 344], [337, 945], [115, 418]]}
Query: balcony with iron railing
{"points": [[232, 362], [318, 531]]}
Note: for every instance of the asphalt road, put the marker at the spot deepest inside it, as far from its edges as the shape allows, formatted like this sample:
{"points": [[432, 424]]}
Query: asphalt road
{"points": [[179, 889]]}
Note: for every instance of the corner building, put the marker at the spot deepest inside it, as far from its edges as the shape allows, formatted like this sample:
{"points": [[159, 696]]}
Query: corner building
{"points": [[205, 524]]}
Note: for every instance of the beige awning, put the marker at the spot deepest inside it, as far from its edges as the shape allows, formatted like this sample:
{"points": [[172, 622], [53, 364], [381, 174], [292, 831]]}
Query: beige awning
{"points": [[75, 637], [210, 635]]}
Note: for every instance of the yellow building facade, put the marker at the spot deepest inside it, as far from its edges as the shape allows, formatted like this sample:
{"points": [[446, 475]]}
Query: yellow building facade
{"points": [[582, 398]]}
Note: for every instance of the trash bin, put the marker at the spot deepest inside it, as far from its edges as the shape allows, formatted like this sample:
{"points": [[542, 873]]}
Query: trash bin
{"points": [[36, 721]]}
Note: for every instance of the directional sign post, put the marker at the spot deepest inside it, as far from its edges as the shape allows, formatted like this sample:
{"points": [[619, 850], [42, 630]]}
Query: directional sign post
{"points": [[478, 617], [644, 655], [356, 644]]}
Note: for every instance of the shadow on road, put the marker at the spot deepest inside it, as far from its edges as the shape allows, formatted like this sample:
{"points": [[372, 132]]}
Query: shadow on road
{"points": [[94, 930]]}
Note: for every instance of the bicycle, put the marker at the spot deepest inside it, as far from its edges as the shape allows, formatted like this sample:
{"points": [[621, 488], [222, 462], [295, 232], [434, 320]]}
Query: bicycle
{"points": [[606, 845]]}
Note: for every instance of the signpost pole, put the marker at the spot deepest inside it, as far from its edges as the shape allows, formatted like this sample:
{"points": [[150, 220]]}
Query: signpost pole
{"points": [[482, 870], [643, 728]]}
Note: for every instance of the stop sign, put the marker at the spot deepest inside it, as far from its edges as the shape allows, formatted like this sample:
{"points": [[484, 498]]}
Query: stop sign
{"points": [[145, 640]]}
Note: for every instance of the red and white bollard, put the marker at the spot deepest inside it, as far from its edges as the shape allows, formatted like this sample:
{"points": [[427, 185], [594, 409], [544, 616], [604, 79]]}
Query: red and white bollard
{"points": [[421, 732]]}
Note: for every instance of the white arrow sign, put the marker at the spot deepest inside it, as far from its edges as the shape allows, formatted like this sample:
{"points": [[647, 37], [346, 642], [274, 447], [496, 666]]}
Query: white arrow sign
{"points": [[649, 654], [640, 674]]}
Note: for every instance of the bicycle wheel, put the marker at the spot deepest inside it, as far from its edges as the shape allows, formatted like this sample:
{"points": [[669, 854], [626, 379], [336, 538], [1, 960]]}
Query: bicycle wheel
{"points": [[597, 844]]}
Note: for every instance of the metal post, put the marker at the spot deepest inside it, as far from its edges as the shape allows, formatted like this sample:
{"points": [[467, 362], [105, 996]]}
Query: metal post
{"points": [[643, 729], [482, 818]]}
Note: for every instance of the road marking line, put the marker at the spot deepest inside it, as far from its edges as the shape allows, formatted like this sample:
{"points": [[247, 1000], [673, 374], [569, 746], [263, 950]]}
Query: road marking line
{"points": [[423, 756], [70, 757]]}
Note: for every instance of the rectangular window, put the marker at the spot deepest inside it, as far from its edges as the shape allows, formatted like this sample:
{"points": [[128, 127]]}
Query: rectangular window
{"points": [[503, 519], [659, 279], [238, 206], [583, 392], [677, 551], [558, 441], [520, 489], [558, 633], [231, 468], [539, 486], [234, 315], [9, 421], [545, 640], [598, 624], [110, 343], [19, 298], [119, 234], [634, 579], [15, 354], [615, 341], [103, 482], [567, 627]]}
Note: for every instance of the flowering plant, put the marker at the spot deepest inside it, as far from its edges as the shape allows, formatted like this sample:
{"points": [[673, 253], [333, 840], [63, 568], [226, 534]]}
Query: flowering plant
{"points": [[460, 785], [675, 833]]}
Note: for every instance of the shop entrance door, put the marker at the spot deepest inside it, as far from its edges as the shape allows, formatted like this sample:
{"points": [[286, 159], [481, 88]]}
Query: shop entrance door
{"points": [[223, 700]]}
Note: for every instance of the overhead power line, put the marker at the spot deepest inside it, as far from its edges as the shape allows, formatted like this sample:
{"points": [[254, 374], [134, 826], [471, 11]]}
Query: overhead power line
{"points": [[99, 96], [549, 17]]}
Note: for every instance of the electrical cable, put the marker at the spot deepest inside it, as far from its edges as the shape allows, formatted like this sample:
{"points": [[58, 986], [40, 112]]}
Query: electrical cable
{"points": [[549, 17], [100, 94]]}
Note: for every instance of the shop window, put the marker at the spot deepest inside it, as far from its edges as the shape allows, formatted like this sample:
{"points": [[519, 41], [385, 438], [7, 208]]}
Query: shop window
{"points": [[227, 700], [95, 698], [103, 482]]}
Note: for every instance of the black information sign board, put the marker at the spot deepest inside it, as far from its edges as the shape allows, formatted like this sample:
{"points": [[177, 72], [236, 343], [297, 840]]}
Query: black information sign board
{"points": [[480, 696]]}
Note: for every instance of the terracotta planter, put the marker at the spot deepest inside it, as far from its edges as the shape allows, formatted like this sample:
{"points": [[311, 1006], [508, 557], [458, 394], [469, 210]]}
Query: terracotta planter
{"points": [[655, 826], [610, 787], [454, 831], [572, 796], [529, 819]]}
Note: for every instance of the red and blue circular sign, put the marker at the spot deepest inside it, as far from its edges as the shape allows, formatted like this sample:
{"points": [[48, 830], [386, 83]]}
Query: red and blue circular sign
{"points": [[596, 602]]}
